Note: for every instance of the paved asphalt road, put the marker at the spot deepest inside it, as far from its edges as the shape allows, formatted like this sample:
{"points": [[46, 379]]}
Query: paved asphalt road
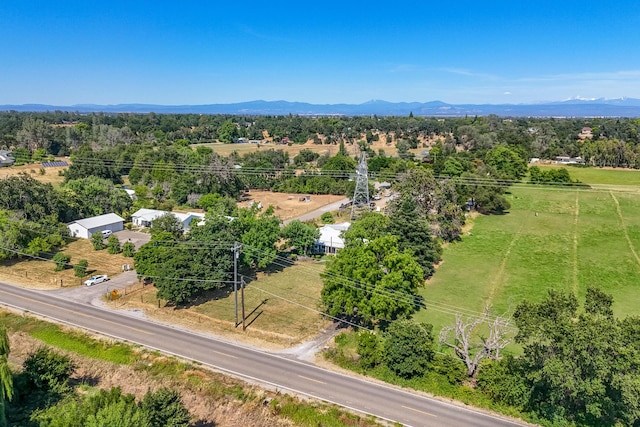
{"points": [[257, 366]]}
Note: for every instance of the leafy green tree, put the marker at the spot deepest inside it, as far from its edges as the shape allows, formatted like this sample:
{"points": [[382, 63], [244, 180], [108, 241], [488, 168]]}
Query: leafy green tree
{"points": [[61, 260], [167, 223], [370, 226], [113, 244], [221, 205], [580, 366], [258, 233], [6, 379], [509, 165], [182, 270], [300, 236], [93, 196], [372, 282], [31, 199], [340, 162], [97, 241], [86, 162], [452, 167], [408, 348], [128, 249], [227, 132], [164, 408], [35, 133], [80, 269]]}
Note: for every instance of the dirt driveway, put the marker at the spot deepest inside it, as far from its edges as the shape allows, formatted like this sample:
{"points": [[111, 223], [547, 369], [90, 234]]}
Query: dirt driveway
{"points": [[136, 237]]}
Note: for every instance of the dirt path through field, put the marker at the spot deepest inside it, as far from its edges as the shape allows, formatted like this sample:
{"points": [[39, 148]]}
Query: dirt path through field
{"points": [[576, 216], [624, 228]]}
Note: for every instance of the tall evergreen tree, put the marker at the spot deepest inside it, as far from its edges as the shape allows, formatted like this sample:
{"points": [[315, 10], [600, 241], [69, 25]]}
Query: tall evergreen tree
{"points": [[414, 234]]}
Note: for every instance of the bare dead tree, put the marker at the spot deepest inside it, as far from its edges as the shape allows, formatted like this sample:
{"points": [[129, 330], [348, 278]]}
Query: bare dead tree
{"points": [[471, 349]]}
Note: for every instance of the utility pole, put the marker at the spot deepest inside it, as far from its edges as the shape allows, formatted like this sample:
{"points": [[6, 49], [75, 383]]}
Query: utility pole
{"points": [[242, 293], [236, 254], [360, 201]]}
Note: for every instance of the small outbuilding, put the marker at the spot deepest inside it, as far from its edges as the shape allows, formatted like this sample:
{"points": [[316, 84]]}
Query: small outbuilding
{"points": [[84, 228]]}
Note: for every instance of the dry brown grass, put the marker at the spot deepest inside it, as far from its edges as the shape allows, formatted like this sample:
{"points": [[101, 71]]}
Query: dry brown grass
{"points": [[279, 306], [50, 176], [384, 143], [288, 205], [39, 274]]}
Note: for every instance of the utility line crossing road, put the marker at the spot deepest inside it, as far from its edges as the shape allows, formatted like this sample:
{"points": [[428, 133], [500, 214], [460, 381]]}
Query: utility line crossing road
{"points": [[257, 366]]}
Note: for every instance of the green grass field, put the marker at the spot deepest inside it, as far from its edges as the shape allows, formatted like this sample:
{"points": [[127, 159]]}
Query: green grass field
{"points": [[579, 238]]}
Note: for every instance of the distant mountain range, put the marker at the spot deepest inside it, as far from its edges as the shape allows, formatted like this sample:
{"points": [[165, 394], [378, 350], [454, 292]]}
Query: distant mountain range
{"points": [[621, 107]]}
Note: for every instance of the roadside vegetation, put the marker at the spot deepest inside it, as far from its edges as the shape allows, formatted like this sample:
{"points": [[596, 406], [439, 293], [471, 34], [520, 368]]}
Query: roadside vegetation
{"points": [[63, 377], [433, 302]]}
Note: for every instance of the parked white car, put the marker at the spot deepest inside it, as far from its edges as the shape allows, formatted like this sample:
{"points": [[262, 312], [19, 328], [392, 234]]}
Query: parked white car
{"points": [[94, 280], [106, 233]]}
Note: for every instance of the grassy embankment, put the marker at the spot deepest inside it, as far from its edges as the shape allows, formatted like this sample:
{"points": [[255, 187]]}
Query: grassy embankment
{"points": [[577, 239], [212, 398]]}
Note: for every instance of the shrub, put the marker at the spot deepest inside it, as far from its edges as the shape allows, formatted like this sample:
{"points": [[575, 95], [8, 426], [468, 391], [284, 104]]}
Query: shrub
{"points": [[80, 269], [113, 244], [47, 370], [504, 381], [97, 241], [128, 249], [369, 349], [61, 261], [409, 348], [449, 366], [327, 218]]}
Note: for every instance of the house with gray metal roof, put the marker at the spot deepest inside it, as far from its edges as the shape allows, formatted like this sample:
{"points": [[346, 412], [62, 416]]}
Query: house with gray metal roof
{"points": [[84, 228]]}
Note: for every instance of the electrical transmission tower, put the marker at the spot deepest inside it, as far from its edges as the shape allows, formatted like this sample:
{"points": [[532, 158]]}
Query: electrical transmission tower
{"points": [[360, 201]]}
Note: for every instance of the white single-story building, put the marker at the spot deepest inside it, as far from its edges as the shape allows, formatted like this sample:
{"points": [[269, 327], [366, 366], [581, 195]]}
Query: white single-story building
{"points": [[84, 228], [331, 240], [144, 217]]}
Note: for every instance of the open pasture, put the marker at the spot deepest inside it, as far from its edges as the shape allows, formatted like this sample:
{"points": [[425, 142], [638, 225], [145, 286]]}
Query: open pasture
{"points": [[600, 176], [564, 239]]}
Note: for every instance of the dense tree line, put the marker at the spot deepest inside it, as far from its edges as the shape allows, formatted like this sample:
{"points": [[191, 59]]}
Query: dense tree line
{"points": [[612, 141]]}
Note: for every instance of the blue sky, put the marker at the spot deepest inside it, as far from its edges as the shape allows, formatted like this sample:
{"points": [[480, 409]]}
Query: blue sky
{"points": [[206, 52]]}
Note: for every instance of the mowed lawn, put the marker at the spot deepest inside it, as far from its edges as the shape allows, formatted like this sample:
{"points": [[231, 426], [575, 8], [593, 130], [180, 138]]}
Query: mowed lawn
{"points": [[579, 238]]}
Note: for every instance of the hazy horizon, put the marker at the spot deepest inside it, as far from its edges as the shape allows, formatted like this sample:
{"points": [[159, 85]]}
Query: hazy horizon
{"points": [[197, 53]]}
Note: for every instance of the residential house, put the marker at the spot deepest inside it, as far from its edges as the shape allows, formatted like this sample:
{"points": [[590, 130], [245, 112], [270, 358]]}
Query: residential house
{"points": [[84, 228], [331, 239], [144, 217], [566, 160]]}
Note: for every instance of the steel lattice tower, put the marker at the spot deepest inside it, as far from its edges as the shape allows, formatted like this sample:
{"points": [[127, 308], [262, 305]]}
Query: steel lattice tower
{"points": [[360, 201]]}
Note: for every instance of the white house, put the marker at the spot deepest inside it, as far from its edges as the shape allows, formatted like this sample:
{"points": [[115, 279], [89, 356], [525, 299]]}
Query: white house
{"points": [[331, 238], [144, 217], [84, 228]]}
